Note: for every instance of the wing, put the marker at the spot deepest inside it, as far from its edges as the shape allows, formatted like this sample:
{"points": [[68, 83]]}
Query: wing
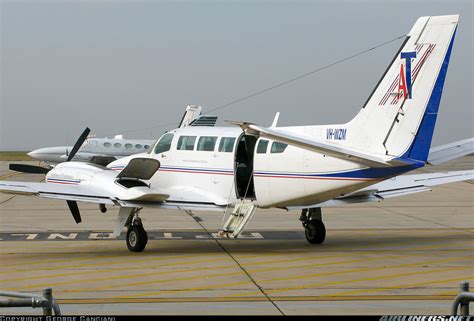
{"points": [[177, 198], [85, 193], [316, 145], [63, 192], [444, 153], [397, 186], [184, 198]]}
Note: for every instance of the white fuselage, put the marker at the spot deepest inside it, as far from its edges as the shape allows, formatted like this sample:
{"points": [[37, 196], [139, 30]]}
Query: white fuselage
{"points": [[216, 162]]}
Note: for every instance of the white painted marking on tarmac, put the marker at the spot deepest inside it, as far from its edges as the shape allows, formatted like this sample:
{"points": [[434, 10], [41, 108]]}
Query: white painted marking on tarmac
{"points": [[251, 236], [71, 236], [28, 236], [241, 236], [168, 236], [101, 236]]}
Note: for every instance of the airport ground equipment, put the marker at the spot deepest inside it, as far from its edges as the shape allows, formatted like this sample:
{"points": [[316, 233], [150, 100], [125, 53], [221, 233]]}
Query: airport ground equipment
{"points": [[47, 302], [462, 300]]}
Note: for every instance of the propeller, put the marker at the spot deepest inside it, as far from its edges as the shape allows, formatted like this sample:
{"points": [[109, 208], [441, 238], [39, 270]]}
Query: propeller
{"points": [[23, 168], [76, 214], [31, 169], [74, 211], [78, 144]]}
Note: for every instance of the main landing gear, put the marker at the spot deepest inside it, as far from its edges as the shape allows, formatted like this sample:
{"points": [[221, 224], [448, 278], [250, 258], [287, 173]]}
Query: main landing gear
{"points": [[314, 228], [136, 235]]}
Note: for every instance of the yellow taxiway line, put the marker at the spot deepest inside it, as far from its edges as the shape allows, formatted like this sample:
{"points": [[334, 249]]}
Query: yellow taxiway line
{"points": [[257, 299]]}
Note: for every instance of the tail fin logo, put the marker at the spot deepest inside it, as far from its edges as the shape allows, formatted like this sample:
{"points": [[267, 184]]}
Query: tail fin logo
{"points": [[404, 82], [410, 66]]}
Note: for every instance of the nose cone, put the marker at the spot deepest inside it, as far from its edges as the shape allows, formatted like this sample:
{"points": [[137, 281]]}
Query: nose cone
{"points": [[50, 154]]}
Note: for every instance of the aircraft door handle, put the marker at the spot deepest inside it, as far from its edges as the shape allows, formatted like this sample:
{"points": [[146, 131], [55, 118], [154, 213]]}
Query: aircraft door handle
{"points": [[163, 156]]}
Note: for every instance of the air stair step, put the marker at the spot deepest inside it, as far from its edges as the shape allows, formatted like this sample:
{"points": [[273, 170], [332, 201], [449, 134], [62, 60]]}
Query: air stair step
{"points": [[238, 218]]}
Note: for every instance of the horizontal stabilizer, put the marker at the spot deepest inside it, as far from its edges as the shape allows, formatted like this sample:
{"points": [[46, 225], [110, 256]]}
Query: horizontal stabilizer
{"points": [[445, 153]]}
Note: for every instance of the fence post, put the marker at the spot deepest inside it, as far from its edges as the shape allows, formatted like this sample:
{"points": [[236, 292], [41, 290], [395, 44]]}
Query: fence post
{"points": [[48, 295]]}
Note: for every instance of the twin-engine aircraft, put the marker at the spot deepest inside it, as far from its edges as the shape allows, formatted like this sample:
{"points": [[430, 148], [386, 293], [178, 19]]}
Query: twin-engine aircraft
{"points": [[246, 167]]}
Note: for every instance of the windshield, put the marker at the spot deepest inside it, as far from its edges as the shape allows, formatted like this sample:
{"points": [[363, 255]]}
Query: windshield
{"points": [[164, 144]]}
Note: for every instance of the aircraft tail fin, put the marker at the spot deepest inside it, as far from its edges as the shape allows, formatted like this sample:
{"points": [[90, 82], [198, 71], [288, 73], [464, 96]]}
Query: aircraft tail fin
{"points": [[399, 117]]}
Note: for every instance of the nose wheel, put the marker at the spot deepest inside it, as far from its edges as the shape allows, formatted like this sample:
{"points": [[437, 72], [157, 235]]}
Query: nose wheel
{"points": [[314, 229], [137, 237]]}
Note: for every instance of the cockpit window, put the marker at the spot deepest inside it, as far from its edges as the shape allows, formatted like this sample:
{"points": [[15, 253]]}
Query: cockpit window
{"points": [[262, 146], [278, 147], [186, 142], [206, 143], [164, 144], [226, 144]]}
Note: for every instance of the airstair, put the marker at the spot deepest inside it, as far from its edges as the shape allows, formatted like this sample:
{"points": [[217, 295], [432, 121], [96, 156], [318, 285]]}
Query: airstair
{"points": [[238, 218]]}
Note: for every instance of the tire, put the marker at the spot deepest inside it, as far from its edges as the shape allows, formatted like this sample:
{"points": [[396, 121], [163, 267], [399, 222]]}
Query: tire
{"points": [[315, 232], [136, 238]]}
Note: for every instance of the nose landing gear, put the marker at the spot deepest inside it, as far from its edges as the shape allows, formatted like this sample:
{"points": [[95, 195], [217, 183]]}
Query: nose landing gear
{"points": [[315, 231]]}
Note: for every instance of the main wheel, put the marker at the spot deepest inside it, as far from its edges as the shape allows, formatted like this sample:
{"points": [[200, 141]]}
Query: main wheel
{"points": [[136, 238], [315, 231]]}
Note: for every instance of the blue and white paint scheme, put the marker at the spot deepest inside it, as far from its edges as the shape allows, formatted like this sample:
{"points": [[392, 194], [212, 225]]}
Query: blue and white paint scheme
{"points": [[247, 166]]}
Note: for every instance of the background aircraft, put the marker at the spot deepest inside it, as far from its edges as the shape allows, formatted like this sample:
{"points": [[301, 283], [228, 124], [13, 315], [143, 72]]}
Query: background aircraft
{"points": [[103, 151], [301, 167], [96, 150]]}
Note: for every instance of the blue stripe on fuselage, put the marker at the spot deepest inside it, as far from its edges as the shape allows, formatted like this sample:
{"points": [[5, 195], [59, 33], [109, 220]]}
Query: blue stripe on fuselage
{"points": [[367, 173]]}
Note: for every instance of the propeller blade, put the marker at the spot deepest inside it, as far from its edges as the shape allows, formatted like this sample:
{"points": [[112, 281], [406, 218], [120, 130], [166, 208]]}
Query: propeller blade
{"points": [[74, 211], [78, 144], [32, 169]]}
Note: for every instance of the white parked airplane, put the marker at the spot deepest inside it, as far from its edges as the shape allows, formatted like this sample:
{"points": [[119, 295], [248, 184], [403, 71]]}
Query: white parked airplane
{"points": [[97, 150], [299, 167], [103, 151]]}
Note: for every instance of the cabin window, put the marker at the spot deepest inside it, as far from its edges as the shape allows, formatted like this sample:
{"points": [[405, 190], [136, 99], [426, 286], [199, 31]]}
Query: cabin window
{"points": [[206, 143], [117, 145], [107, 144], [186, 142], [262, 146], [226, 144], [138, 146], [278, 147], [146, 146], [128, 146], [164, 144]]}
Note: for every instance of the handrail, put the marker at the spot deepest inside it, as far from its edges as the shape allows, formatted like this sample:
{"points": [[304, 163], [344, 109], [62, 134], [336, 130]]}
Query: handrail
{"points": [[47, 302], [462, 300]]}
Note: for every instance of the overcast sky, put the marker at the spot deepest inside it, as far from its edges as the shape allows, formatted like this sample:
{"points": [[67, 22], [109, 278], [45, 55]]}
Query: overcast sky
{"points": [[119, 66]]}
